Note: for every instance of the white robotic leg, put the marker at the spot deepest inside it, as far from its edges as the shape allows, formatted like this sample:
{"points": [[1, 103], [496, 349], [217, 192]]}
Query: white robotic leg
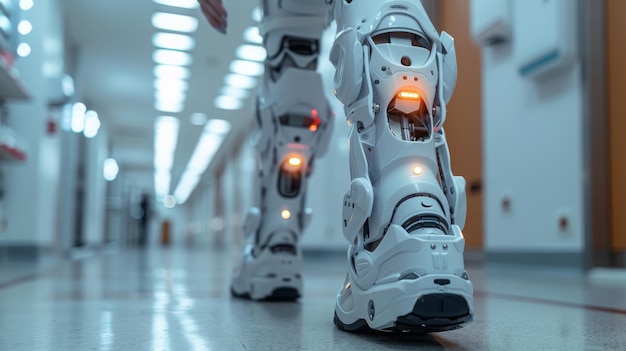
{"points": [[404, 211], [293, 116]]}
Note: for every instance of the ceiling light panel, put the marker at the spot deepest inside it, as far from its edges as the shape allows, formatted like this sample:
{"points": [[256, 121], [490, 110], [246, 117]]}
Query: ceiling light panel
{"points": [[169, 107], [166, 85], [248, 68], [228, 103], [240, 81], [171, 72], [251, 53], [252, 35], [171, 57], [185, 4], [174, 22], [237, 93], [173, 41]]}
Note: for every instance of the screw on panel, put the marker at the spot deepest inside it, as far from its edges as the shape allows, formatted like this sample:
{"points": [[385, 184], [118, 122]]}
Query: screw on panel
{"points": [[359, 126], [433, 246]]}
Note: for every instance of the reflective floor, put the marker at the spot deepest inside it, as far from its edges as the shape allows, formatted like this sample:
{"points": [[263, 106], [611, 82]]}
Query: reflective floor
{"points": [[177, 299]]}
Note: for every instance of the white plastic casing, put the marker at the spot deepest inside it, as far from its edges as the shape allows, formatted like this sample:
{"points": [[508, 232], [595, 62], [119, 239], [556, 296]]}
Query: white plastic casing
{"points": [[490, 21], [545, 35]]}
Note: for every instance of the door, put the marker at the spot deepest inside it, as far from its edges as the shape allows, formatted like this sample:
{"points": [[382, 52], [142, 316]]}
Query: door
{"points": [[464, 121]]}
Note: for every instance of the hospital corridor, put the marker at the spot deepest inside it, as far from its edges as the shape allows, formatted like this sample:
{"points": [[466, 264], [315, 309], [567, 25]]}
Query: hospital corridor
{"points": [[275, 175]]}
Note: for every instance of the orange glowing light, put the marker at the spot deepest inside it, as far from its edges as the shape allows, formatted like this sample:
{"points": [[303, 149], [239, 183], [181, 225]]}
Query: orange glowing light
{"points": [[313, 127], [294, 161], [408, 95]]}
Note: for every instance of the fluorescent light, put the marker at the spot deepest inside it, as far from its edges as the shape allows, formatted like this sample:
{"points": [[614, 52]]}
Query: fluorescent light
{"points": [[240, 81], [217, 126], [251, 53], [173, 41], [174, 72], [198, 119], [23, 50], [78, 117], [174, 22], [170, 96], [171, 84], [169, 201], [248, 68], [210, 141], [162, 181], [26, 4], [24, 27], [257, 14], [165, 140], [169, 107], [186, 4], [110, 169], [228, 103], [67, 84], [92, 124], [186, 185], [171, 57], [237, 93], [252, 35]]}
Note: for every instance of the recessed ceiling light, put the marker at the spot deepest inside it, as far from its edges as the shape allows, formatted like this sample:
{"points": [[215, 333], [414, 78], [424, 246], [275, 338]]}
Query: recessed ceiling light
{"points": [[240, 81], [24, 27], [110, 169], [23, 50], [235, 92], [228, 103], [171, 57], [173, 41], [198, 119], [172, 72], [164, 94], [26, 4], [186, 4], [169, 85], [174, 22], [217, 126], [248, 68], [257, 14], [251, 53], [251, 34], [168, 107]]}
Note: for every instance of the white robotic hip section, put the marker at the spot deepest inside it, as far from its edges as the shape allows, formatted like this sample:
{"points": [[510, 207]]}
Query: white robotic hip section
{"points": [[404, 211], [293, 117]]}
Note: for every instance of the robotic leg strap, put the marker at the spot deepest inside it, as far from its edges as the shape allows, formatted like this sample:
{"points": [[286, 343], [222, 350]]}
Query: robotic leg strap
{"points": [[293, 116], [404, 211]]}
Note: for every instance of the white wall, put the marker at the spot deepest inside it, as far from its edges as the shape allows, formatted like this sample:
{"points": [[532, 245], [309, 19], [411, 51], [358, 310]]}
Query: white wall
{"points": [[533, 155], [96, 151], [32, 186]]}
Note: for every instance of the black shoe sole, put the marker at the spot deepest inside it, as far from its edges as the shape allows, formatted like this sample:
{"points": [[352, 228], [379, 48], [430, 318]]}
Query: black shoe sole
{"points": [[278, 295], [431, 313]]}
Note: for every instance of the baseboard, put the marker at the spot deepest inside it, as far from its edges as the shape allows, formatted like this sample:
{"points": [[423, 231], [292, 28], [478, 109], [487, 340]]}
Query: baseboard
{"points": [[533, 258]]}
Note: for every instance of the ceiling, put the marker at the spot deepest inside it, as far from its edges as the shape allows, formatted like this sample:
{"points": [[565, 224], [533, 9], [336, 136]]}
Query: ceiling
{"points": [[110, 46]]}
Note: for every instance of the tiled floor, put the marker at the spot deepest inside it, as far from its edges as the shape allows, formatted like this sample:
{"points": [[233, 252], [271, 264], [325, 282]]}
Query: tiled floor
{"points": [[177, 299]]}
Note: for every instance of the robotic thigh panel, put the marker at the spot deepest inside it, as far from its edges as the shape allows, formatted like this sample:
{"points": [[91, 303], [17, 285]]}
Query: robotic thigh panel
{"points": [[404, 211], [293, 117]]}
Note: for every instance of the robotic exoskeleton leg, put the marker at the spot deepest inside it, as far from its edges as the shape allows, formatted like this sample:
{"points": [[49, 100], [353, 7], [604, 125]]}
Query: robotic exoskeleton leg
{"points": [[293, 116], [404, 211]]}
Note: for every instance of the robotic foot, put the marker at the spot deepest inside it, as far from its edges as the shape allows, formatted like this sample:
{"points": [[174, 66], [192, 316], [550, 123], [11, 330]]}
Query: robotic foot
{"points": [[431, 313], [270, 272]]}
